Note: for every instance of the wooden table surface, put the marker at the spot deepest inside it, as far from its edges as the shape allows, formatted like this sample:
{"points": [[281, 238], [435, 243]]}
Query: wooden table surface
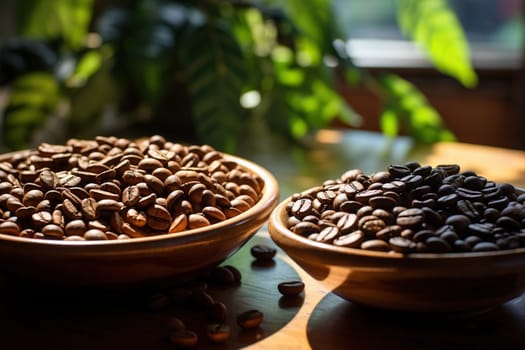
{"points": [[317, 319]]}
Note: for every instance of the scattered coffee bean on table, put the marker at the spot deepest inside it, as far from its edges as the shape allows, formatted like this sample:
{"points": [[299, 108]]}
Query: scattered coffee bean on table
{"points": [[114, 188], [291, 288], [250, 319], [411, 208], [263, 252]]}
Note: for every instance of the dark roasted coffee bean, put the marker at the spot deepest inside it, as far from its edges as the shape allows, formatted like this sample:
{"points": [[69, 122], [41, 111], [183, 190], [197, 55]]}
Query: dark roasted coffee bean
{"points": [[422, 235], [508, 223], [290, 288], [491, 214], [419, 191], [438, 245], [398, 171], [467, 208], [470, 195], [459, 222], [499, 203], [433, 217], [461, 246], [394, 186], [485, 247], [412, 181], [447, 201], [475, 183], [450, 169], [263, 252]]}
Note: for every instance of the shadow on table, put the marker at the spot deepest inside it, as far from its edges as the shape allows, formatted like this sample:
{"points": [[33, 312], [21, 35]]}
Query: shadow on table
{"points": [[37, 317], [339, 324]]}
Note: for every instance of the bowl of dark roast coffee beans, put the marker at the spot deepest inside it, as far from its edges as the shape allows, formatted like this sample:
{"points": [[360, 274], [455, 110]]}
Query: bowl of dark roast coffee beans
{"points": [[112, 211], [412, 238]]}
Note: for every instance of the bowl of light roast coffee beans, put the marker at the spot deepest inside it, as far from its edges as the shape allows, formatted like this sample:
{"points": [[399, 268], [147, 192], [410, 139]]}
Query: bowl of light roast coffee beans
{"points": [[410, 238], [112, 211]]}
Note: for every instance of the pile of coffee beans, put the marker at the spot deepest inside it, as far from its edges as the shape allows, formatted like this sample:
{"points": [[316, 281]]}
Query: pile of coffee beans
{"points": [[115, 188], [213, 319], [411, 208]]}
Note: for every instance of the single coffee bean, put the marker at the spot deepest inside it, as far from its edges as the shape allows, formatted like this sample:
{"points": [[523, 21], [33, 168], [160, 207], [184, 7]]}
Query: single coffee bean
{"points": [[459, 222], [437, 245], [370, 224], [9, 228], [250, 319], [411, 218], [95, 235], [327, 234], [402, 245], [351, 240], [376, 245], [485, 247], [53, 230], [263, 252], [305, 228], [291, 288], [218, 332]]}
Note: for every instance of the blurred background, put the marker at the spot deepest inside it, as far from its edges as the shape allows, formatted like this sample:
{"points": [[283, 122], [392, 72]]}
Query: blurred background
{"points": [[227, 73]]}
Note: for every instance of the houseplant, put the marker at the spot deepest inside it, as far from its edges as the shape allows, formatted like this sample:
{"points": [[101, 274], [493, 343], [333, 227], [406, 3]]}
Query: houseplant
{"points": [[206, 70]]}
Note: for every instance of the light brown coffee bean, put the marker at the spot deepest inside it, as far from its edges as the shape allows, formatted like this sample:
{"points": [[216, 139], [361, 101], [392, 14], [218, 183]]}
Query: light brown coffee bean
{"points": [[9, 228], [75, 228], [53, 230], [108, 205], [197, 221], [136, 218], [95, 235], [88, 207]]}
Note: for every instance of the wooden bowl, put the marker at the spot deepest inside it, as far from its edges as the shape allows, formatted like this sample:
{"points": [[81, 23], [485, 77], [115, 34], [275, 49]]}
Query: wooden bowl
{"points": [[137, 261], [452, 282]]}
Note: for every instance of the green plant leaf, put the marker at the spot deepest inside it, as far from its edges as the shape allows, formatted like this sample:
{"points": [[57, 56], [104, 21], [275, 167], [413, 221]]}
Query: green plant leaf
{"points": [[88, 64], [314, 19], [389, 122], [407, 107], [435, 27], [32, 98], [147, 51], [67, 19], [215, 69]]}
